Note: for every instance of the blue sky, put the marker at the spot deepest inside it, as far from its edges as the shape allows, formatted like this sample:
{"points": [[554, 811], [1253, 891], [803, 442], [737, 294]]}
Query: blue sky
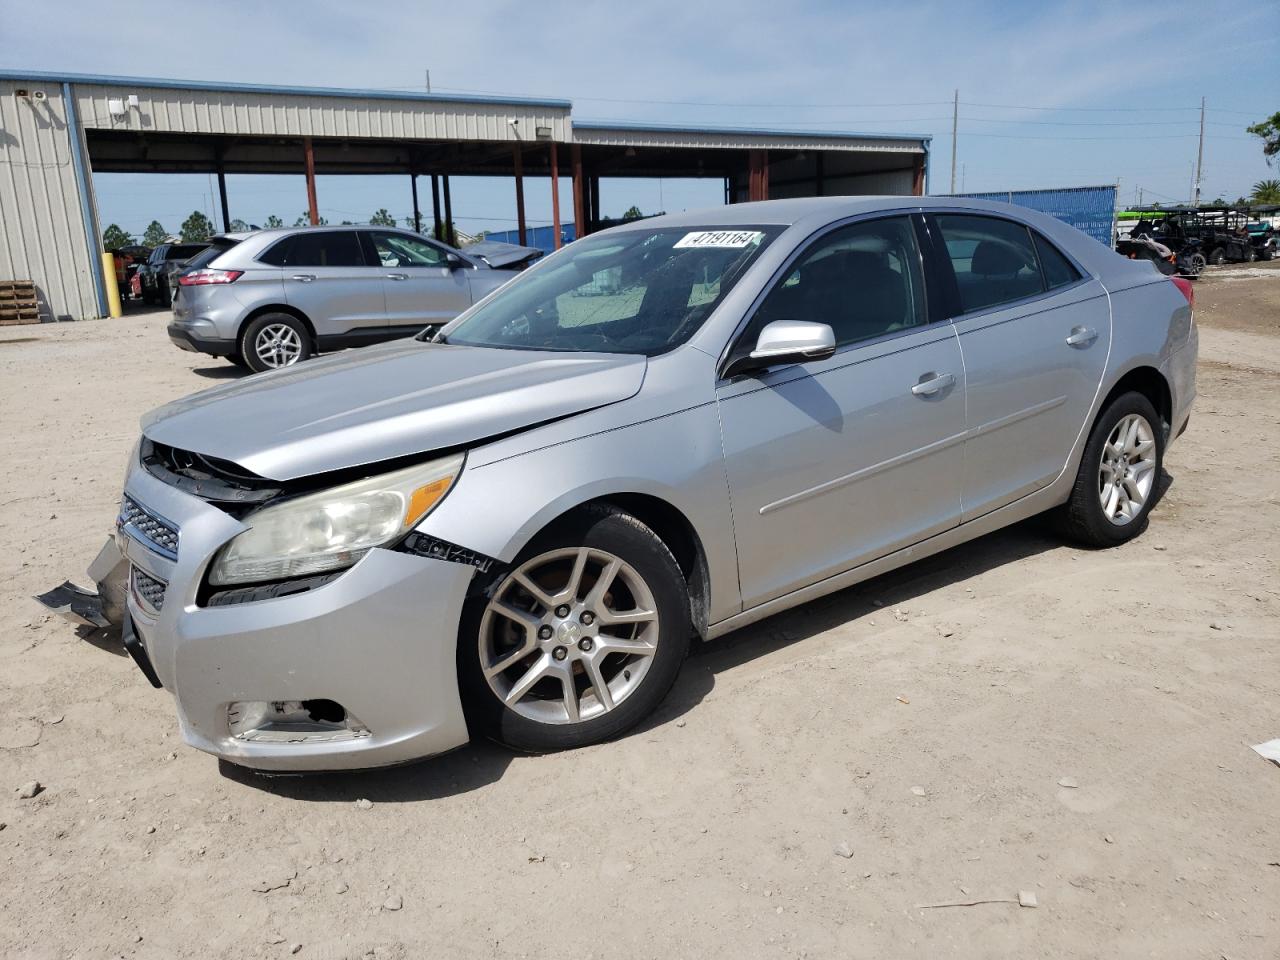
{"points": [[1052, 94]]}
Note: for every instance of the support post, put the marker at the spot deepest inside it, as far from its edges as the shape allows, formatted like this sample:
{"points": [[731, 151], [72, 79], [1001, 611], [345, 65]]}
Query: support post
{"points": [[417, 214], [758, 175], [593, 207], [579, 191], [435, 207], [222, 194], [451, 238], [555, 195], [313, 210], [917, 175], [520, 224], [820, 174]]}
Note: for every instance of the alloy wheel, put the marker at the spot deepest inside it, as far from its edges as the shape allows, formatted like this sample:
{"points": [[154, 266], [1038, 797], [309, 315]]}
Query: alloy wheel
{"points": [[1127, 471], [568, 636], [278, 345]]}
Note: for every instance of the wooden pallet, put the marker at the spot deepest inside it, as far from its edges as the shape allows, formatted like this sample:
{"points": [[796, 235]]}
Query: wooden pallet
{"points": [[18, 302], [17, 290]]}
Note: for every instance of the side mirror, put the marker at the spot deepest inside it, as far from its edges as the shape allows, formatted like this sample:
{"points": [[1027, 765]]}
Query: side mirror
{"points": [[787, 341], [453, 261]]}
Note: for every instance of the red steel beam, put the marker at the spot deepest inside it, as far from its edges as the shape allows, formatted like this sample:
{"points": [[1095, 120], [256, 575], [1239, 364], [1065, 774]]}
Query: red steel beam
{"points": [[313, 211], [579, 191]]}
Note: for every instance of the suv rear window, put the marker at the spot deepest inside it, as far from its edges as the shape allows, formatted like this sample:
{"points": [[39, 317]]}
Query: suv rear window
{"points": [[210, 253]]}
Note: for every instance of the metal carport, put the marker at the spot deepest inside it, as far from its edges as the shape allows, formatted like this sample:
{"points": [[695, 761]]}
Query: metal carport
{"points": [[57, 129]]}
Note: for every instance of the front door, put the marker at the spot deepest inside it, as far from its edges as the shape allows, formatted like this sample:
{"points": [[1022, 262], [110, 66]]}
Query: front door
{"points": [[327, 277], [1034, 332], [420, 285], [833, 463]]}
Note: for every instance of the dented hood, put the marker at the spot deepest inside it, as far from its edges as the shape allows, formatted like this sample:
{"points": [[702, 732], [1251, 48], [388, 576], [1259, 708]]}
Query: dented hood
{"points": [[401, 398]]}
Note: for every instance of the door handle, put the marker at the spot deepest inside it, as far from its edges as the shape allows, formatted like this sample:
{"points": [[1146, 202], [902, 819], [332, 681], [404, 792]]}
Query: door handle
{"points": [[936, 384], [304, 277], [1081, 336], [397, 276]]}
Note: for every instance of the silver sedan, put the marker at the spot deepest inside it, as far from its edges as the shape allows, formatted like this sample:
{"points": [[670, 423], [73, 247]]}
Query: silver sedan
{"points": [[515, 525]]}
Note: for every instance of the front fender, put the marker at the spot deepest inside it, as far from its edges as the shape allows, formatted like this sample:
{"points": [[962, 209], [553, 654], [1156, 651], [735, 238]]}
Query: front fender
{"points": [[497, 508]]}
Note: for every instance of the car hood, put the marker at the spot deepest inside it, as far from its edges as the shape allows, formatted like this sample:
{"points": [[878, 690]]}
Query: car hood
{"points": [[499, 255], [399, 399]]}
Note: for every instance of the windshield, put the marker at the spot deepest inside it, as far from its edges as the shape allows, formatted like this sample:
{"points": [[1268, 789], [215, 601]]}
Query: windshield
{"points": [[636, 291]]}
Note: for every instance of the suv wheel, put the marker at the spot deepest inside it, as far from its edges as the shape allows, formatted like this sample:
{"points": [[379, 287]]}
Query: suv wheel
{"points": [[1115, 487], [581, 639], [1218, 256], [274, 340]]}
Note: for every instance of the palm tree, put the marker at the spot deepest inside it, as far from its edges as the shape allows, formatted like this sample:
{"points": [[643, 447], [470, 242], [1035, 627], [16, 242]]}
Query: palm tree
{"points": [[1266, 191]]}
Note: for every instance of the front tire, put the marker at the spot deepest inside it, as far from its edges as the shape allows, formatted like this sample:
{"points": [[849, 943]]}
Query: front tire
{"points": [[1116, 485], [580, 639], [1218, 256], [272, 341]]}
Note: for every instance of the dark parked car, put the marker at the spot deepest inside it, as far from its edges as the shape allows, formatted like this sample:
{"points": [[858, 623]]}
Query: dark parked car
{"points": [[159, 274]]}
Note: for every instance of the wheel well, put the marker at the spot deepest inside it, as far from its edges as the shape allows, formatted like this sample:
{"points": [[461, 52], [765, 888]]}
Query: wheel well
{"points": [[674, 529], [1151, 383], [281, 308]]}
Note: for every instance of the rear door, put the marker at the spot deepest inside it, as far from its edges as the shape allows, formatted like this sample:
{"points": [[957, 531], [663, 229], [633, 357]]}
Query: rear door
{"points": [[1034, 332], [328, 278], [421, 287]]}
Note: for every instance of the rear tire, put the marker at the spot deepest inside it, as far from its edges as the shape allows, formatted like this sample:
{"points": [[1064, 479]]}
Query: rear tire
{"points": [[272, 341], [529, 659], [1117, 483], [1218, 256]]}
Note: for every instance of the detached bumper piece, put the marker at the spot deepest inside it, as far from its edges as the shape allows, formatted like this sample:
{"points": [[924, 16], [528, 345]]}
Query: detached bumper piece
{"points": [[76, 604], [133, 646]]}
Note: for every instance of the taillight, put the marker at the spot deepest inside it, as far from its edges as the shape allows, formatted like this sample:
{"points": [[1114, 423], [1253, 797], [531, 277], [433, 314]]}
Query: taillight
{"points": [[200, 278], [1188, 291]]}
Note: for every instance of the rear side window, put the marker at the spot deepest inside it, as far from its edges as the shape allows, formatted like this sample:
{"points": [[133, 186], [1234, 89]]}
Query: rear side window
{"points": [[277, 254], [994, 260], [340, 248], [1058, 270]]}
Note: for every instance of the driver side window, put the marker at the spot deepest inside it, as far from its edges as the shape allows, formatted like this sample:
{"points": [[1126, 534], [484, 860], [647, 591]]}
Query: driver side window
{"points": [[398, 250], [862, 280]]}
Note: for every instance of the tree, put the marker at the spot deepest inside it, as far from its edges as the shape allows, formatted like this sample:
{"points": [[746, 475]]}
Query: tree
{"points": [[305, 219], [239, 226], [154, 235], [273, 221], [1266, 191], [381, 218], [633, 213], [113, 238], [1269, 131], [196, 227], [410, 225]]}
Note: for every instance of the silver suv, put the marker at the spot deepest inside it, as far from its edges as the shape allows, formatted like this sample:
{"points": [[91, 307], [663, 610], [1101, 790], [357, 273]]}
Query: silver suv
{"points": [[273, 297]]}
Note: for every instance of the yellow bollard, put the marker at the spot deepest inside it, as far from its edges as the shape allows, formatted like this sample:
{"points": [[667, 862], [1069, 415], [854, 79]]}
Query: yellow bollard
{"points": [[112, 284]]}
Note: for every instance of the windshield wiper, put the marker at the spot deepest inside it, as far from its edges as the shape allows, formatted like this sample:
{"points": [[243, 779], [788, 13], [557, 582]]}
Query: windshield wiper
{"points": [[430, 334]]}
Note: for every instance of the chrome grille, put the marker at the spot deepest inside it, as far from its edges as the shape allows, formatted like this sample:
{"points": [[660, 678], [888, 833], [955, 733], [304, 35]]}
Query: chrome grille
{"points": [[148, 589], [137, 520]]}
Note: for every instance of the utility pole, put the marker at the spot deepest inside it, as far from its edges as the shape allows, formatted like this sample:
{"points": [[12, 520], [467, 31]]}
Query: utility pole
{"points": [[1139, 196], [1199, 155], [955, 122], [428, 81]]}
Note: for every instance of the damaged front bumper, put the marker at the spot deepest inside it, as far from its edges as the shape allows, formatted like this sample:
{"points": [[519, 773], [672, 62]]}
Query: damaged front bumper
{"points": [[356, 672]]}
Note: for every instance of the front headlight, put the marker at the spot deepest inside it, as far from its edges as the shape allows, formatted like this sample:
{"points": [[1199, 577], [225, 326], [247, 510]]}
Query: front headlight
{"points": [[333, 529]]}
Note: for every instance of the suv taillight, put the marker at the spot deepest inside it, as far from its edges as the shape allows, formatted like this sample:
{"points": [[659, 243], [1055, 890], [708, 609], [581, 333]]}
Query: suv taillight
{"points": [[1188, 291], [200, 278]]}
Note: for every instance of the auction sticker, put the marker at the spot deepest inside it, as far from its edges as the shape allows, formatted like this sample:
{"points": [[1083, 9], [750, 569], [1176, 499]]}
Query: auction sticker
{"points": [[732, 239]]}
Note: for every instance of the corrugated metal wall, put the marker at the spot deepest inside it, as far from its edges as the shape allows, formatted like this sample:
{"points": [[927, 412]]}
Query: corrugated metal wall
{"points": [[42, 236], [214, 111], [733, 140]]}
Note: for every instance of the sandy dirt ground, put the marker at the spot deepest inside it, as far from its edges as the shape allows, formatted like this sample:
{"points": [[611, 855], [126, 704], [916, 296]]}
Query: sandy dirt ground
{"points": [[932, 721]]}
